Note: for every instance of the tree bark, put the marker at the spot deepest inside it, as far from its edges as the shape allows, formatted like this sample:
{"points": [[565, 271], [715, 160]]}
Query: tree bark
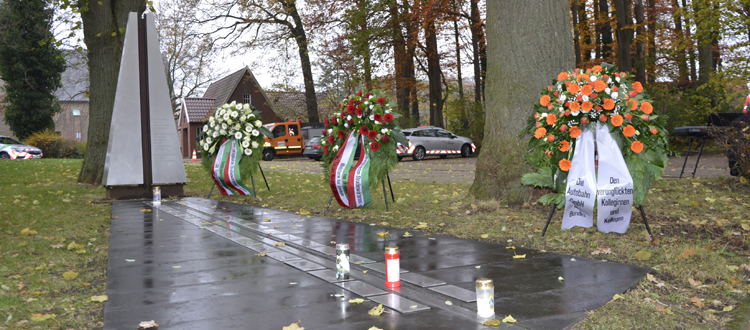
{"points": [[640, 43], [434, 74], [517, 70], [576, 31], [679, 48], [412, 30], [705, 41], [605, 29], [583, 23], [457, 34], [475, 27], [691, 49], [624, 35], [104, 51], [651, 50], [298, 32], [399, 59]]}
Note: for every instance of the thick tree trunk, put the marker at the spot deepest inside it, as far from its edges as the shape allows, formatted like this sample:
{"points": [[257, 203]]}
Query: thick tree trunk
{"points": [[483, 61], [457, 34], [434, 74], [605, 29], [651, 49], [576, 31], [624, 35], [640, 43], [705, 39], [691, 49], [412, 32], [517, 70], [679, 48], [475, 27], [399, 59], [298, 32], [104, 51], [583, 27]]}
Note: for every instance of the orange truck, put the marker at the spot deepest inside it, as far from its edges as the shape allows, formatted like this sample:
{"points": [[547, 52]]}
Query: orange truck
{"points": [[286, 140]]}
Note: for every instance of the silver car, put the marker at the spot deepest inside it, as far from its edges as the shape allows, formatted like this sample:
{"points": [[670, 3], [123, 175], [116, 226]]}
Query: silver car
{"points": [[430, 140], [12, 149]]}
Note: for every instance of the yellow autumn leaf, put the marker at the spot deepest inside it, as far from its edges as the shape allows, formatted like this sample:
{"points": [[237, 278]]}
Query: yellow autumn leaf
{"points": [[510, 247], [643, 255], [509, 319], [383, 235], [261, 254], [728, 308], [519, 256], [377, 310], [356, 301], [304, 212], [74, 246], [407, 234], [484, 236], [280, 244], [41, 317], [294, 326], [374, 328], [101, 298], [617, 297], [28, 232], [493, 323], [421, 226], [143, 210], [70, 275]]}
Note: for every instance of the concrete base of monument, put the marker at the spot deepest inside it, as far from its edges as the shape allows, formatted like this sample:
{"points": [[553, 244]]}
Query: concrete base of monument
{"points": [[141, 191]]}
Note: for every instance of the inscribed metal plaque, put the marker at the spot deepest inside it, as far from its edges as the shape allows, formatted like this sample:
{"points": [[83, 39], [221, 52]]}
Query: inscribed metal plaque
{"points": [[399, 303], [420, 280], [456, 292]]}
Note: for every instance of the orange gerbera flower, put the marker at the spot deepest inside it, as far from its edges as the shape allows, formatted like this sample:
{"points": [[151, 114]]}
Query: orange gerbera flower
{"points": [[600, 85], [628, 131], [636, 146], [609, 104], [596, 68], [633, 104], [575, 132], [647, 108], [574, 106], [617, 120], [638, 87], [587, 90], [540, 132], [564, 146], [586, 106], [573, 88], [544, 100], [562, 76], [564, 165], [583, 77], [551, 119]]}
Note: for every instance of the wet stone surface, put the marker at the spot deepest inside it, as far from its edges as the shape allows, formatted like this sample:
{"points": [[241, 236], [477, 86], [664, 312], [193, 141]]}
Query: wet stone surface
{"points": [[194, 264]]}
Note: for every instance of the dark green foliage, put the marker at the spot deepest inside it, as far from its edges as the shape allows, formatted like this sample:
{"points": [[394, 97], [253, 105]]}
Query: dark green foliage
{"points": [[30, 65], [466, 118], [55, 146]]}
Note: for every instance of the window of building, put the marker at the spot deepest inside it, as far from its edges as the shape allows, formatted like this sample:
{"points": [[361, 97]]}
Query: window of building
{"points": [[246, 98], [76, 112]]}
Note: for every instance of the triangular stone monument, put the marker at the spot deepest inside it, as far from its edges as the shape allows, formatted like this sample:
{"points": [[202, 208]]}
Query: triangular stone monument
{"points": [[143, 149]]}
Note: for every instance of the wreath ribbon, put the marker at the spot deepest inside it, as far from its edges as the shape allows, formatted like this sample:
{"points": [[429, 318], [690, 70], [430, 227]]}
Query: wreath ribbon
{"points": [[350, 182], [226, 169]]}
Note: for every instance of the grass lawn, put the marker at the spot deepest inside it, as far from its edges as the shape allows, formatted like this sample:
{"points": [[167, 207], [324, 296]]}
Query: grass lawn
{"points": [[699, 257]]}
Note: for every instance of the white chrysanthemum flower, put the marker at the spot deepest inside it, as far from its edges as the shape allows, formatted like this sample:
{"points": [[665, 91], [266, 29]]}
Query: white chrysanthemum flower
{"points": [[617, 79], [223, 132], [238, 135], [242, 118], [245, 144], [255, 144], [330, 130], [248, 128], [372, 107], [372, 117], [233, 103], [205, 147], [323, 142], [248, 152], [614, 95], [609, 81], [230, 121], [225, 116], [593, 78], [246, 106], [235, 114], [205, 128], [562, 110], [384, 131], [255, 132], [607, 90], [349, 117], [563, 97], [335, 148], [250, 116], [216, 134], [209, 140], [346, 125], [247, 138], [371, 96], [237, 127], [544, 115], [377, 122], [224, 126], [225, 106], [258, 123], [585, 98]]}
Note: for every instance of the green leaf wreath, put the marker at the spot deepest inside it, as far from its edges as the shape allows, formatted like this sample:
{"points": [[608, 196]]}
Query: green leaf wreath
{"points": [[372, 116], [234, 121], [578, 100]]}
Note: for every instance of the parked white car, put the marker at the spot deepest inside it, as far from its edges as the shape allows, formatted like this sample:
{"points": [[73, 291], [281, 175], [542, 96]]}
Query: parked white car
{"points": [[430, 140], [12, 149]]}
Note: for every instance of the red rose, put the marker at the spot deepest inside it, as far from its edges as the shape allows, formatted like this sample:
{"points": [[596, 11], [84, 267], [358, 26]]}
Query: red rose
{"points": [[381, 101], [325, 149], [335, 120], [343, 114], [388, 117], [563, 128], [615, 88], [331, 138], [357, 102], [654, 131], [584, 120], [372, 135], [567, 112], [368, 95], [363, 130], [325, 132], [339, 105], [350, 122], [359, 93], [374, 146], [598, 108], [350, 102], [327, 122], [603, 118], [341, 135], [350, 109], [378, 117], [384, 139]]}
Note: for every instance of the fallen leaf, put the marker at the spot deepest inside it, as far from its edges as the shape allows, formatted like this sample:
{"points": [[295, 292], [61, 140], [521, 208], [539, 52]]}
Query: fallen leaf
{"points": [[70, 275], [143, 210], [693, 282], [421, 226], [176, 267], [477, 267], [687, 253], [280, 244], [745, 226], [728, 308], [519, 256], [663, 309], [560, 278], [537, 230], [304, 212], [407, 234], [643, 255], [509, 319], [294, 326], [383, 235], [510, 247], [377, 310], [57, 246], [493, 323], [449, 303], [732, 268], [41, 317], [129, 260], [651, 278], [697, 302], [261, 254], [617, 297], [28, 232], [356, 301], [602, 251], [484, 236], [374, 328], [101, 298], [267, 220]]}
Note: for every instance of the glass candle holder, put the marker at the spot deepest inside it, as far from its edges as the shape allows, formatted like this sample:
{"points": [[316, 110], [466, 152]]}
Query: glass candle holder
{"points": [[157, 196], [392, 267], [485, 298]]}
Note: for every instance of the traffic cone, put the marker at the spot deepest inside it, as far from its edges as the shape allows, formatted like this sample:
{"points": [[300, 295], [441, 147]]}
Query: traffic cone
{"points": [[195, 159]]}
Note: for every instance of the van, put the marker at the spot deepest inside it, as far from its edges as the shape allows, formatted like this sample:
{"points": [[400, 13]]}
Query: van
{"points": [[309, 132], [286, 140]]}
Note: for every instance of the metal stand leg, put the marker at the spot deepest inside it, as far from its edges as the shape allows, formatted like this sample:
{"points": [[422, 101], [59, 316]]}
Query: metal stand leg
{"points": [[700, 151], [551, 213], [329, 203], [264, 177], [687, 154], [252, 180], [385, 197], [212, 191], [390, 187], [643, 214]]}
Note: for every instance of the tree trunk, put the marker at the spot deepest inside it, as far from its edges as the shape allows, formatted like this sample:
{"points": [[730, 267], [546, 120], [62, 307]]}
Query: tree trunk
{"points": [[363, 46], [298, 32], [640, 43], [475, 27], [583, 27], [606, 31], [679, 47], [434, 74], [705, 40], [105, 52], [576, 31], [691, 49], [517, 70], [399, 59], [457, 34], [651, 50], [624, 35], [483, 60], [412, 31]]}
